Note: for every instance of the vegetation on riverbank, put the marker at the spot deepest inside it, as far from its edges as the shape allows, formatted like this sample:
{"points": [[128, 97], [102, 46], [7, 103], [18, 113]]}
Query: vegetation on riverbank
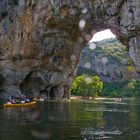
{"points": [[87, 85], [109, 60], [126, 88]]}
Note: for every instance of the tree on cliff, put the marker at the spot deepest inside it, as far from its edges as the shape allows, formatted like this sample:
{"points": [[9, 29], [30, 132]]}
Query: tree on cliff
{"points": [[86, 85]]}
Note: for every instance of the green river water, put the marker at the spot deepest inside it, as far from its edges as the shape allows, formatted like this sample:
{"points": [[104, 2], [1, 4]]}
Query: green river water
{"points": [[98, 120]]}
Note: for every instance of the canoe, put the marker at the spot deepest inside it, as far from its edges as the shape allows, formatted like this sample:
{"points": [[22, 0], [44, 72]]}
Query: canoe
{"points": [[21, 105]]}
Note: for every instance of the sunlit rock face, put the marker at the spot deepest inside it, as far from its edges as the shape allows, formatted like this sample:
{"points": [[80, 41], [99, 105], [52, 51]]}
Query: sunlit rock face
{"points": [[109, 60], [41, 40]]}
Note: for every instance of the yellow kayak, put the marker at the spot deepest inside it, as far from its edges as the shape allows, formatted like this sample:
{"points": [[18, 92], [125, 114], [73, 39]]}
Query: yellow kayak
{"points": [[21, 105]]}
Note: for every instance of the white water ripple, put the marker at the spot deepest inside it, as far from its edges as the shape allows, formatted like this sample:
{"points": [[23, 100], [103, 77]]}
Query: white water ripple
{"points": [[100, 134], [106, 110]]}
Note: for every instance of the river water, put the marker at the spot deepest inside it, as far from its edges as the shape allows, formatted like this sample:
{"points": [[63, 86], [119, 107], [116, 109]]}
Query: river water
{"points": [[98, 120]]}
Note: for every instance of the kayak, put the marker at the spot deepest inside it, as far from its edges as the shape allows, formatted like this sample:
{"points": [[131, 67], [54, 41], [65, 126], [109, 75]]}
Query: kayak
{"points": [[21, 105]]}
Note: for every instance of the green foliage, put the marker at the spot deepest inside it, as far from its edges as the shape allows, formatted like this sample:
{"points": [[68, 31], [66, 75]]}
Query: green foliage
{"points": [[86, 85], [115, 52], [130, 68], [131, 85], [129, 88], [112, 49]]}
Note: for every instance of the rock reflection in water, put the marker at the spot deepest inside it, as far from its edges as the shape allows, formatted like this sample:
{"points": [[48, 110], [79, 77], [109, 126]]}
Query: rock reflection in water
{"points": [[43, 135]]}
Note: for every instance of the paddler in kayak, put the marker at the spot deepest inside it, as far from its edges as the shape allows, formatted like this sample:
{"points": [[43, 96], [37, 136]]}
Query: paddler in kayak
{"points": [[27, 100], [13, 100]]}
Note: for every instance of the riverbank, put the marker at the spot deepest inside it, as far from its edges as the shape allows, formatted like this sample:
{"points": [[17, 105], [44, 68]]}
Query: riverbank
{"points": [[79, 98]]}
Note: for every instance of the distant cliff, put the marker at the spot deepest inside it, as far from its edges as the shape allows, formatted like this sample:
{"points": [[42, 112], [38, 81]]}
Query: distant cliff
{"points": [[109, 59]]}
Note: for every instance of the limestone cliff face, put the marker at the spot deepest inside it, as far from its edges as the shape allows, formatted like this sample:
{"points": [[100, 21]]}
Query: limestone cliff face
{"points": [[41, 41], [109, 60]]}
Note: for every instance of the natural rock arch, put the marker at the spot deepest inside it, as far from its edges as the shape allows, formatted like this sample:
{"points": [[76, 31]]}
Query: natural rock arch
{"points": [[43, 37]]}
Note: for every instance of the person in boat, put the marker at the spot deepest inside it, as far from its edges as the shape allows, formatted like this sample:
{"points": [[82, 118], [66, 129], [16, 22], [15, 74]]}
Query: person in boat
{"points": [[27, 100], [13, 100]]}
